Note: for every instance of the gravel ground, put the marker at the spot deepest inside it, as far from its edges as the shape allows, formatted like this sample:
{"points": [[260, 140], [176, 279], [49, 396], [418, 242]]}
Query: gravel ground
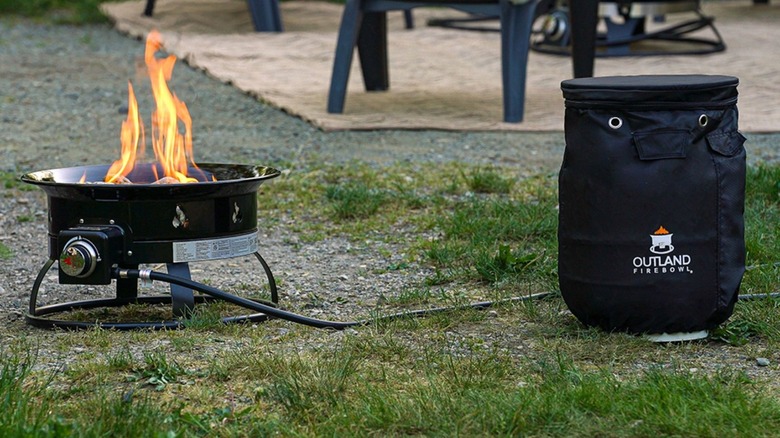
{"points": [[64, 96], [62, 101]]}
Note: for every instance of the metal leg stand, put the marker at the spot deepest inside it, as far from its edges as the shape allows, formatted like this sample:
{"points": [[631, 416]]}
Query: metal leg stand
{"points": [[182, 299]]}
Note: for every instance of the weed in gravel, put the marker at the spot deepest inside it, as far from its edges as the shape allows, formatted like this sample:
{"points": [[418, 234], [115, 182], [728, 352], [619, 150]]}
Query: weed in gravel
{"points": [[120, 360], [354, 200], [487, 180], [206, 317], [9, 180], [494, 268], [5, 252], [159, 371], [413, 296]]}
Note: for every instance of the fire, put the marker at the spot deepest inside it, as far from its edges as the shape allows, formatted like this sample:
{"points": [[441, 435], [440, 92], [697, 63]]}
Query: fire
{"points": [[131, 136], [661, 231], [172, 148]]}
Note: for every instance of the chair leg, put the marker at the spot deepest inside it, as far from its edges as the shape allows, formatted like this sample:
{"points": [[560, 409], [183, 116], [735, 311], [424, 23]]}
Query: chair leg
{"points": [[516, 21], [265, 15], [345, 47], [584, 21], [408, 19], [149, 9], [372, 50]]}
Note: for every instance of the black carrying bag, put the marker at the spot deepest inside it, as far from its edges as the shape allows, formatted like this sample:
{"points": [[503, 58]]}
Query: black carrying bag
{"points": [[651, 192]]}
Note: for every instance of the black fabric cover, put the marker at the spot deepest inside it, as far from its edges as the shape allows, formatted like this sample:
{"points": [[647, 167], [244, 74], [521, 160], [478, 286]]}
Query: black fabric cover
{"points": [[651, 192]]}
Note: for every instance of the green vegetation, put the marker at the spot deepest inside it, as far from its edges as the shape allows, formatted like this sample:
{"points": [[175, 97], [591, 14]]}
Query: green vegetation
{"points": [[371, 385], [521, 369], [10, 180], [58, 11], [525, 368], [351, 201], [5, 252], [499, 240], [762, 235], [488, 180], [755, 319]]}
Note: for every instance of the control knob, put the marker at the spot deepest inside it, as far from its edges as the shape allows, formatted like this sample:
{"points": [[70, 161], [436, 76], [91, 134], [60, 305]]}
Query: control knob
{"points": [[79, 258]]}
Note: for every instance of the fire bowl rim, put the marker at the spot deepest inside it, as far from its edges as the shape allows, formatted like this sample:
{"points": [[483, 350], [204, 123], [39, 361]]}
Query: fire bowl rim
{"points": [[233, 179], [47, 176]]}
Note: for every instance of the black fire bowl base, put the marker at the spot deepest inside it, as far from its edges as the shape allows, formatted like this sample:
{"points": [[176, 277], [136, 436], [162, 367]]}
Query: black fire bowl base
{"points": [[182, 300]]}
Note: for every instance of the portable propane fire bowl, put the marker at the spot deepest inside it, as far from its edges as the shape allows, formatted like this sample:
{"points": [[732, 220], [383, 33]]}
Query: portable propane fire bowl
{"points": [[98, 232]]}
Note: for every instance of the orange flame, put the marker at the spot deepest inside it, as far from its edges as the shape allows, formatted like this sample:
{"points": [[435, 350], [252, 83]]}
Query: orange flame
{"points": [[661, 231], [172, 149], [132, 132]]}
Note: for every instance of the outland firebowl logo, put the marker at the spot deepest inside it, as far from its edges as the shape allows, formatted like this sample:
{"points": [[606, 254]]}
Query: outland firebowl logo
{"points": [[662, 241], [664, 262]]}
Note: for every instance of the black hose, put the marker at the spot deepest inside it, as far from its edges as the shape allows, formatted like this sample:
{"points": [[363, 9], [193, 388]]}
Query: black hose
{"points": [[297, 318], [268, 311], [747, 297]]}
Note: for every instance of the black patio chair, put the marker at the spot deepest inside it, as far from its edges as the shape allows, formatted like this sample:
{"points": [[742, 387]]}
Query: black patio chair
{"points": [[364, 24], [265, 14]]}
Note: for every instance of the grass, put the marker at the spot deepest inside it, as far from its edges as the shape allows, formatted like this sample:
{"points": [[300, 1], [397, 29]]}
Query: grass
{"points": [[11, 181], [57, 11], [495, 240], [495, 230], [354, 200], [5, 252], [762, 237], [349, 391], [487, 180], [20, 412], [526, 368]]}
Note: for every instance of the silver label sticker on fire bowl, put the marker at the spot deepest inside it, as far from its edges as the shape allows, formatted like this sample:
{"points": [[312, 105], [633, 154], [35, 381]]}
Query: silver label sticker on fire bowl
{"points": [[212, 249]]}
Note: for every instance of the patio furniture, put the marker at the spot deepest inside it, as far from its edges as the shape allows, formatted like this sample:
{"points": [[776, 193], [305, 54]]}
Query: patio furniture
{"points": [[265, 14], [627, 33], [364, 25], [584, 20]]}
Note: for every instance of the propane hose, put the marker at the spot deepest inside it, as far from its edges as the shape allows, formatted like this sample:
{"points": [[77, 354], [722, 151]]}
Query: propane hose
{"points": [[148, 274], [269, 311]]}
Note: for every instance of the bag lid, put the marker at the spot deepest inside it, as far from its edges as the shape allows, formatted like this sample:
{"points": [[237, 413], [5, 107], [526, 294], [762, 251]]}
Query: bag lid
{"points": [[649, 89]]}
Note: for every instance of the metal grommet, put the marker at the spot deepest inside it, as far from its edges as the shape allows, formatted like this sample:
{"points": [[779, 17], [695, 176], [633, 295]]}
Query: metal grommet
{"points": [[615, 122], [703, 120]]}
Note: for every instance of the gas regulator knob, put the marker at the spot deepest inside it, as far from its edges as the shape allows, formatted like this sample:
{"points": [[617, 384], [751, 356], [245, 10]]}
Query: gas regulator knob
{"points": [[79, 258]]}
